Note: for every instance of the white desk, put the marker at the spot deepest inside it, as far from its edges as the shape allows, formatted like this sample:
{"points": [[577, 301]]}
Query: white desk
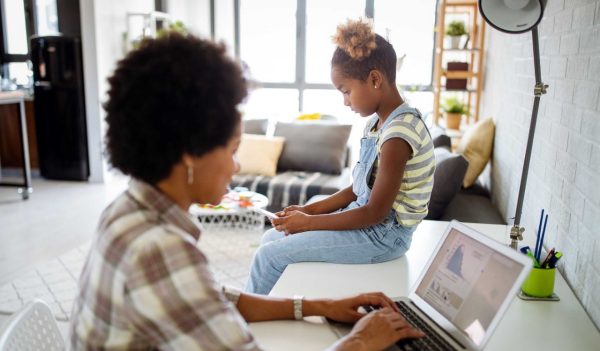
{"points": [[562, 325]]}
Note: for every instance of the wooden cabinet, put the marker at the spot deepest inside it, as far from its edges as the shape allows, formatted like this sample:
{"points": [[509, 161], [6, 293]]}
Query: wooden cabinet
{"points": [[458, 71], [10, 136]]}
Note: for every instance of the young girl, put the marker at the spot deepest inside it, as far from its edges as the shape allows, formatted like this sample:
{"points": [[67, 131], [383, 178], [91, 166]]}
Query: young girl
{"points": [[373, 220]]}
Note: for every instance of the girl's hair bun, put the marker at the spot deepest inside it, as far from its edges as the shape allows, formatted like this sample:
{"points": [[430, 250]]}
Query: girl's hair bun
{"points": [[356, 38]]}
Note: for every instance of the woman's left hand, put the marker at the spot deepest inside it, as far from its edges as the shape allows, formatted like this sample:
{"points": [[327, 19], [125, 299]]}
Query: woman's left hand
{"points": [[346, 310], [292, 222]]}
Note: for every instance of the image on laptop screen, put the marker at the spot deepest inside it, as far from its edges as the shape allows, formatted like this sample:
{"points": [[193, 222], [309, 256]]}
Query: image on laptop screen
{"points": [[467, 283]]}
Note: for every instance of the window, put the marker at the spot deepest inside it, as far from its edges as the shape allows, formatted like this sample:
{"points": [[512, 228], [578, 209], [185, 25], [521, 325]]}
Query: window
{"points": [[409, 26], [287, 46], [322, 18], [267, 39], [16, 26], [13, 15]]}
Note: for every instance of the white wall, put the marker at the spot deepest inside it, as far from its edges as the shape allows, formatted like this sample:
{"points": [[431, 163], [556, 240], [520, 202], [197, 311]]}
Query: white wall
{"points": [[564, 175], [195, 14], [103, 23]]}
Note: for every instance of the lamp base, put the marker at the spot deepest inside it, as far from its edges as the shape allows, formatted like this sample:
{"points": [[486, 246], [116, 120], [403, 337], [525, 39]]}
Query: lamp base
{"points": [[516, 235]]}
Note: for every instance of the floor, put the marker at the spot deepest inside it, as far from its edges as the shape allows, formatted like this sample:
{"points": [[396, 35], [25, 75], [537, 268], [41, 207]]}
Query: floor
{"points": [[44, 241]]}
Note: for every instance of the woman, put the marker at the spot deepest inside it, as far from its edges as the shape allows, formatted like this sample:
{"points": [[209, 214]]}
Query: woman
{"points": [[173, 126]]}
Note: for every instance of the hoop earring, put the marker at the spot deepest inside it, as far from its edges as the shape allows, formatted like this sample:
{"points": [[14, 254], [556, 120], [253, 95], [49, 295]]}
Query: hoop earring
{"points": [[190, 175]]}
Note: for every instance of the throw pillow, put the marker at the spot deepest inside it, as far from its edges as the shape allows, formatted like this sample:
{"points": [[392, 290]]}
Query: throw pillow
{"points": [[256, 126], [450, 169], [476, 147], [258, 154], [439, 137], [313, 147]]}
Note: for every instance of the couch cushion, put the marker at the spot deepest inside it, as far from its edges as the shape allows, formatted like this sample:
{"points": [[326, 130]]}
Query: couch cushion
{"points": [[291, 188], [472, 209], [256, 126], [449, 174], [439, 137], [313, 147], [258, 154], [476, 146]]}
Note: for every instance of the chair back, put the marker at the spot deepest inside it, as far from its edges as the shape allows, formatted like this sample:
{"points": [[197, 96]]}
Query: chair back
{"points": [[32, 328]]}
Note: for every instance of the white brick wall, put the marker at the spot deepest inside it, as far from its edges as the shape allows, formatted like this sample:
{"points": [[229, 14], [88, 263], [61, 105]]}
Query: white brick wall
{"points": [[564, 175]]}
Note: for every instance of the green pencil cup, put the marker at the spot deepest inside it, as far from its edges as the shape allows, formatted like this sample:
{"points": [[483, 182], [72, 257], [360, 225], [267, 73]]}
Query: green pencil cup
{"points": [[540, 282]]}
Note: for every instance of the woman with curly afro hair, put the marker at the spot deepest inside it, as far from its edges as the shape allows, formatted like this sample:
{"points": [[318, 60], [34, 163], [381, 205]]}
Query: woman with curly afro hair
{"points": [[174, 127]]}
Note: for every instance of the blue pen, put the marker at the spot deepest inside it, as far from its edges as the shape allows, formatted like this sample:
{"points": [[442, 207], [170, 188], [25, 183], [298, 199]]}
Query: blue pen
{"points": [[539, 232], [542, 239]]}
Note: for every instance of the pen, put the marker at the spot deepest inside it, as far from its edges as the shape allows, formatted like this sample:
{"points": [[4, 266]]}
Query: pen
{"points": [[539, 249], [547, 259], [554, 259], [539, 233]]}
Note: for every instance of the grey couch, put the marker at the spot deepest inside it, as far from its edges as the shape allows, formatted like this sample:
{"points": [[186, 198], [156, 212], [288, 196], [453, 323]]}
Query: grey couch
{"points": [[297, 182], [449, 199], [315, 160]]}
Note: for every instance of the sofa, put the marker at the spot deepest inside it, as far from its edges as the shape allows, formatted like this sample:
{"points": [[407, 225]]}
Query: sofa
{"points": [[314, 159], [302, 172], [451, 199]]}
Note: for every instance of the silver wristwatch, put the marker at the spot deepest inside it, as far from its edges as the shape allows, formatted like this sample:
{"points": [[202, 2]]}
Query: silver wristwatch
{"points": [[298, 307]]}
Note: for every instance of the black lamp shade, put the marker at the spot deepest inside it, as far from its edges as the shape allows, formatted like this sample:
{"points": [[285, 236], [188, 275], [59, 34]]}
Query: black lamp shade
{"points": [[512, 16]]}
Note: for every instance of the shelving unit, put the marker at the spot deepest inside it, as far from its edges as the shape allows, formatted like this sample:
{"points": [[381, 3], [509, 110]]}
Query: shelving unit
{"points": [[470, 52]]}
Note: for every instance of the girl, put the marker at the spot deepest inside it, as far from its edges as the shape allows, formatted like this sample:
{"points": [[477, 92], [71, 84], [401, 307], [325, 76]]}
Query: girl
{"points": [[373, 220]]}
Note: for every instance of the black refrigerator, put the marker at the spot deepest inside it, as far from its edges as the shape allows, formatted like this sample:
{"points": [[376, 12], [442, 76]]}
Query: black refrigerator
{"points": [[60, 107]]}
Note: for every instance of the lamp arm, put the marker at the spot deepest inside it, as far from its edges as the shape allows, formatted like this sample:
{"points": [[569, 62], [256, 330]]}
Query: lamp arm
{"points": [[539, 90]]}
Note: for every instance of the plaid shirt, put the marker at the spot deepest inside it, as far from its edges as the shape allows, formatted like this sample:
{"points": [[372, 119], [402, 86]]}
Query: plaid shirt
{"points": [[145, 285]]}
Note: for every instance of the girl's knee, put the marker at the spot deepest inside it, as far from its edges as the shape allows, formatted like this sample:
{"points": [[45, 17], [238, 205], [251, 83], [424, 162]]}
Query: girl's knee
{"points": [[271, 235]]}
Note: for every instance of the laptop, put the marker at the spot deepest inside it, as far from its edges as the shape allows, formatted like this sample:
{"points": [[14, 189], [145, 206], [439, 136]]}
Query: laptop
{"points": [[464, 290]]}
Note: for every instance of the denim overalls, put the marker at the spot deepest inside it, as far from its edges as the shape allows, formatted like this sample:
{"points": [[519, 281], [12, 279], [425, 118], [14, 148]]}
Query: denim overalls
{"points": [[378, 243]]}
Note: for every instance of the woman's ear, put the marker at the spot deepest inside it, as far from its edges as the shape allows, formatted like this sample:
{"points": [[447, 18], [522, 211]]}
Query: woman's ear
{"points": [[187, 160], [375, 79]]}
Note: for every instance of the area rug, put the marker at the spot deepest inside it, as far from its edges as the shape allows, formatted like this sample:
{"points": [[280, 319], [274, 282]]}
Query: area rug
{"points": [[229, 253]]}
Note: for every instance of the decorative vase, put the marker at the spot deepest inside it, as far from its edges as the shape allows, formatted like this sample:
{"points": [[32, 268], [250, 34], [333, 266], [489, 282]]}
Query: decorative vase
{"points": [[453, 120]]}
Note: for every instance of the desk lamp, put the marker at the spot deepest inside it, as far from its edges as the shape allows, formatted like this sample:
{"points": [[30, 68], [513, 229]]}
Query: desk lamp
{"points": [[514, 17]]}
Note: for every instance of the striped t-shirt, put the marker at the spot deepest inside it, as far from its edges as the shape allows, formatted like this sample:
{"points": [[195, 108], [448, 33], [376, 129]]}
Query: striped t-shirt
{"points": [[412, 200]]}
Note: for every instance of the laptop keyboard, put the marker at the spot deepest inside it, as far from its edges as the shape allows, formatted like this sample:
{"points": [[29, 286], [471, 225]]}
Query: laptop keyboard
{"points": [[431, 340]]}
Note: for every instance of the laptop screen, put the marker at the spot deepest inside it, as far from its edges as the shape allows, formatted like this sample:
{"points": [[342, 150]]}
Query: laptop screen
{"points": [[467, 283]]}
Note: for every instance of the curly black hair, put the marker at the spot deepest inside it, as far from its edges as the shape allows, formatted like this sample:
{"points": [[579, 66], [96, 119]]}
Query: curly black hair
{"points": [[359, 51], [173, 95]]}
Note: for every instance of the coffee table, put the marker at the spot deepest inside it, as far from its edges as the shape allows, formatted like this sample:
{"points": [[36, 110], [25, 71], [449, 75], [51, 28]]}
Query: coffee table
{"points": [[235, 212]]}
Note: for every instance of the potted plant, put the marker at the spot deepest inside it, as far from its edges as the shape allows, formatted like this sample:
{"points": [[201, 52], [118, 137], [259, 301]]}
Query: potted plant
{"points": [[454, 109], [455, 30]]}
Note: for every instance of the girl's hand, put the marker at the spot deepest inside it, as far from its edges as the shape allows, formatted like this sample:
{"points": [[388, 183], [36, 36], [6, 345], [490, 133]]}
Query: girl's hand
{"points": [[346, 310], [289, 209], [380, 329], [292, 222]]}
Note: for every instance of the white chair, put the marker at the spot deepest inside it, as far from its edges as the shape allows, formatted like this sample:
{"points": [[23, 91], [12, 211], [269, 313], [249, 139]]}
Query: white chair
{"points": [[32, 328]]}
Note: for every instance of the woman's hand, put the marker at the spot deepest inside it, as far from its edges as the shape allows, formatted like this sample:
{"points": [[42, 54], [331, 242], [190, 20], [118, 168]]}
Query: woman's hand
{"points": [[346, 310], [292, 222], [378, 330]]}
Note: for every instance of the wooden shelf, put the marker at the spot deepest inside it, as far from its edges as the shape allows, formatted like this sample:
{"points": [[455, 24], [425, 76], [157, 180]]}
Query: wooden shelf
{"points": [[466, 10]]}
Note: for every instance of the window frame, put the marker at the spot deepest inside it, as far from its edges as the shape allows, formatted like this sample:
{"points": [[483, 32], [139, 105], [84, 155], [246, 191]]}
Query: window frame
{"points": [[5, 57], [300, 83]]}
